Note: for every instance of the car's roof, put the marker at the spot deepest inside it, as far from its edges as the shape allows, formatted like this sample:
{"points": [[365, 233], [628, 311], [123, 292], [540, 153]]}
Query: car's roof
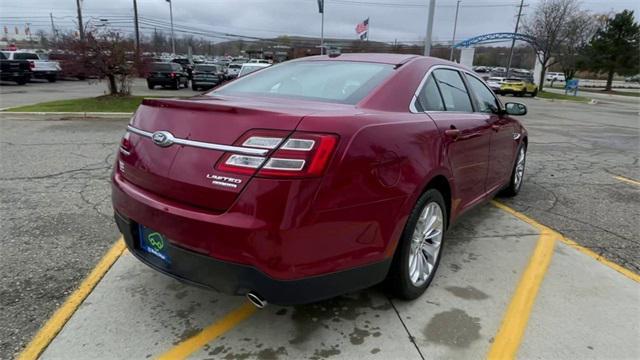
{"points": [[383, 58]]}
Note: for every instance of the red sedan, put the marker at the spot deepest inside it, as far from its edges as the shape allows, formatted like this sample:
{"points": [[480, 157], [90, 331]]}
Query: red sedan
{"points": [[315, 177]]}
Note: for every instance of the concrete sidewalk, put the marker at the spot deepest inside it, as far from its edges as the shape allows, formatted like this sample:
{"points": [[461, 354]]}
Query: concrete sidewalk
{"points": [[584, 310]]}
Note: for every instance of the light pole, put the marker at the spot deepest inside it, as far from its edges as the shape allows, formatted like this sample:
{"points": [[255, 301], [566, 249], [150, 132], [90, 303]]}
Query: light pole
{"points": [[135, 19], [173, 39], [455, 25], [427, 41], [321, 10]]}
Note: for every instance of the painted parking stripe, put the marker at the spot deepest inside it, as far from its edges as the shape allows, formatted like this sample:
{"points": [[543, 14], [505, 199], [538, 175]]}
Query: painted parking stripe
{"points": [[194, 343], [514, 323], [627, 180], [626, 272], [56, 322]]}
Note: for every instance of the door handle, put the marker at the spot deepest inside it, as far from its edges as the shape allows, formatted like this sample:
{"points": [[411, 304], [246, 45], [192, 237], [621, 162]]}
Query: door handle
{"points": [[452, 133]]}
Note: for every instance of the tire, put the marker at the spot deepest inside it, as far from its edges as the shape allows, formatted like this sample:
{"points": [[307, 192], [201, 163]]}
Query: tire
{"points": [[401, 280], [150, 86], [534, 93], [517, 178], [22, 80], [176, 85], [52, 79], [194, 87]]}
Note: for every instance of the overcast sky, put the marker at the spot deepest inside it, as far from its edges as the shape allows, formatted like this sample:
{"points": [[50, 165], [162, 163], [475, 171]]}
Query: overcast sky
{"points": [[404, 20]]}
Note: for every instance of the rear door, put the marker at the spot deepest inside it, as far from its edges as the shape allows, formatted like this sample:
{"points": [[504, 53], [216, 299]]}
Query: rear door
{"points": [[466, 135], [502, 143]]}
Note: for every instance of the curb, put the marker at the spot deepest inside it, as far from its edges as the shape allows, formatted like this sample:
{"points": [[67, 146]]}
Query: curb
{"points": [[71, 114]]}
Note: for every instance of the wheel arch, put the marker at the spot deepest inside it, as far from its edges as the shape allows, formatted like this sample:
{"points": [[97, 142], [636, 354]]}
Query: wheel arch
{"points": [[441, 183]]}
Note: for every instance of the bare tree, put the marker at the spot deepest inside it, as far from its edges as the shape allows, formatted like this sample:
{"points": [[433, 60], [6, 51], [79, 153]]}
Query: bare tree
{"points": [[548, 25], [580, 29], [106, 54]]}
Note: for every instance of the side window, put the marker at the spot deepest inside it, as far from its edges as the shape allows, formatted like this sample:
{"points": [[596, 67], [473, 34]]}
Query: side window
{"points": [[487, 102], [429, 98], [454, 92]]}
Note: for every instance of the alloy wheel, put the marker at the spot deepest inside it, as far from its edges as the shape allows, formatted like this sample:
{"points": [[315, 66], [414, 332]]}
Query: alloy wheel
{"points": [[519, 173], [425, 243]]}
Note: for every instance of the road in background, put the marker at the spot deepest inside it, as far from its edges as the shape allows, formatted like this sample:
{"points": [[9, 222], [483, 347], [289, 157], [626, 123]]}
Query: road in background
{"points": [[575, 153], [36, 92]]}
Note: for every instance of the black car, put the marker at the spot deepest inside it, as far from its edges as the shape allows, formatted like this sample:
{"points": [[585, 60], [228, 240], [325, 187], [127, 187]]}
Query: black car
{"points": [[14, 70], [187, 65], [167, 75], [206, 76]]}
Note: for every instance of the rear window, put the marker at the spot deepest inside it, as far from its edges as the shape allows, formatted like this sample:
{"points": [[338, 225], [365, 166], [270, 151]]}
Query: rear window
{"points": [[25, 56], [331, 81], [206, 68], [235, 66], [161, 67]]}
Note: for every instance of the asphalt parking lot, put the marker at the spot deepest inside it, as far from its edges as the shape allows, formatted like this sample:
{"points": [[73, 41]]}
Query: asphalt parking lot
{"points": [[581, 181]]}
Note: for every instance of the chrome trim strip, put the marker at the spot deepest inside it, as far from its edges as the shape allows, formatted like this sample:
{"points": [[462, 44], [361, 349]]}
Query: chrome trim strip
{"points": [[203, 145]]}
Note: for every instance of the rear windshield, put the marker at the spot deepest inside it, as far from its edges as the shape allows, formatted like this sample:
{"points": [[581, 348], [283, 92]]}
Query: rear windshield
{"points": [[235, 66], [25, 56], [331, 81], [161, 67], [206, 68]]}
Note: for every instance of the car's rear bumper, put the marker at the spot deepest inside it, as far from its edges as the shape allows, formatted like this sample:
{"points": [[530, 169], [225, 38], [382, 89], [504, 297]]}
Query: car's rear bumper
{"points": [[238, 279]]}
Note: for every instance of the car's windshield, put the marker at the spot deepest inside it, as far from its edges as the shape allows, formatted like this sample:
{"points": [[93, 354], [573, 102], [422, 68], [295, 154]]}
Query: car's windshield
{"points": [[332, 81], [210, 68]]}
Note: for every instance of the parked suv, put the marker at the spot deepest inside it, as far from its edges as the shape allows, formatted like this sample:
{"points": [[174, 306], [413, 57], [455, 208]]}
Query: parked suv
{"points": [[166, 75], [40, 69], [206, 76]]}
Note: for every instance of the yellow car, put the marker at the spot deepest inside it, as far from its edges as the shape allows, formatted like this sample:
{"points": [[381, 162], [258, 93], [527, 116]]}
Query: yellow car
{"points": [[518, 87]]}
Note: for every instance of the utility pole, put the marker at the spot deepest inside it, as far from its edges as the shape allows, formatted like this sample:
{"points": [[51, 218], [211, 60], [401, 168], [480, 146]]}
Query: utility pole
{"points": [[427, 41], [54, 35], [80, 23], [173, 39], [455, 25], [135, 19], [513, 41]]}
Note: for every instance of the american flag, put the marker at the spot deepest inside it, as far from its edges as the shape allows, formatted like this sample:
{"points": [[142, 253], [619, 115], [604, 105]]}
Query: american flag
{"points": [[362, 27]]}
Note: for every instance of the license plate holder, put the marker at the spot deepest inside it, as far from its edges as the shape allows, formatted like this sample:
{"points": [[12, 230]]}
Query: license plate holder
{"points": [[154, 243]]}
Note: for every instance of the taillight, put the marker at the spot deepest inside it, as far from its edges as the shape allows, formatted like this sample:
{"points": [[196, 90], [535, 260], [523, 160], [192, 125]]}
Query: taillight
{"points": [[32, 64], [300, 155], [125, 144], [173, 75]]}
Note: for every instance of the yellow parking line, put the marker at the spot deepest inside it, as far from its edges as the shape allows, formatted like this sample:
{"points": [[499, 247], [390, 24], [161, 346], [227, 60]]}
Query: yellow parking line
{"points": [[52, 327], [626, 272], [194, 343], [627, 180], [514, 323]]}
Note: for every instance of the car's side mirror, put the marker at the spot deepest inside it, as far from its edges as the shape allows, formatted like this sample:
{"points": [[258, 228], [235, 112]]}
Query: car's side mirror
{"points": [[514, 108]]}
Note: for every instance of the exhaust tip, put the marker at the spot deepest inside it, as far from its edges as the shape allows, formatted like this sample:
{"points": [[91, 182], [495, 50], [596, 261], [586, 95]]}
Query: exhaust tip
{"points": [[256, 300]]}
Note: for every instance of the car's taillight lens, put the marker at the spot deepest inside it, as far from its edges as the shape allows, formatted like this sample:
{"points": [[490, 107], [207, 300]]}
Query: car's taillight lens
{"points": [[32, 65], [301, 155], [125, 144], [173, 75]]}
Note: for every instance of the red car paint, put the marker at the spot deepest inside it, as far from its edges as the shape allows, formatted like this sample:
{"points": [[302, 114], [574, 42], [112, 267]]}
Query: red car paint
{"points": [[294, 228]]}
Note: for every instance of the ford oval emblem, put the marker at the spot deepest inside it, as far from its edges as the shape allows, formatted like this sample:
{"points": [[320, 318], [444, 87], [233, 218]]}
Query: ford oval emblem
{"points": [[162, 138]]}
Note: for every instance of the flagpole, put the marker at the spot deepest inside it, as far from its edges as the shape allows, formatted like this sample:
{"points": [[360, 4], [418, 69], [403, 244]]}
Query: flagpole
{"points": [[322, 35]]}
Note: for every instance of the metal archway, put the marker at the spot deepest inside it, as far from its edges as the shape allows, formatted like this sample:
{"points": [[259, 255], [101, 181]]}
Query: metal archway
{"points": [[494, 37]]}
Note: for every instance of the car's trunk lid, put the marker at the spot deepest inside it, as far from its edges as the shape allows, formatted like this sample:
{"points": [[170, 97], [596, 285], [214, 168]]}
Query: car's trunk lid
{"points": [[185, 173]]}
